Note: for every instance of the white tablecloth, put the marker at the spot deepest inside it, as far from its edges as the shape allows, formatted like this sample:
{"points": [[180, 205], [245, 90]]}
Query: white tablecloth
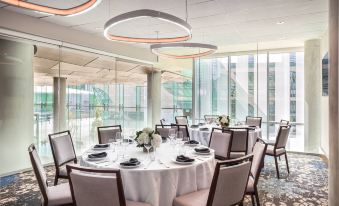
{"points": [[157, 184], [204, 136]]}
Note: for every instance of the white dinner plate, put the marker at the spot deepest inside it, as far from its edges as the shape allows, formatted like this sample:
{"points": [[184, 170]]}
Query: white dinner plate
{"points": [[93, 148], [96, 159], [203, 153], [182, 163], [129, 167]]}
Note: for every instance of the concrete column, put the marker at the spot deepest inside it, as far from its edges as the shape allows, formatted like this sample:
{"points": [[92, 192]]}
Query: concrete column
{"points": [[16, 105], [312, 87], [333, 104], [153, 98], [59, 104]]}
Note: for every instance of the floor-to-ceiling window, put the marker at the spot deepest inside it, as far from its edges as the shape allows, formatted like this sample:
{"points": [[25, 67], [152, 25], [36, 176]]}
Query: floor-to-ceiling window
{"points": [[268, 84]]}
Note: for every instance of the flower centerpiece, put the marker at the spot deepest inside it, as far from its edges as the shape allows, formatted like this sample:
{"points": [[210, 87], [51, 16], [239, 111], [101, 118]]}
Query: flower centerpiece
{"points": [[224, 120], [148, 137]]}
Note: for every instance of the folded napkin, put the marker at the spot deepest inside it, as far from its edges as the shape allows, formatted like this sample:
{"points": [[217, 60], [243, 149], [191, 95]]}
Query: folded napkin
{"points": [[202, 150], [97, 155], [101, 146], [194, 126], [204, 129], [131, 162], [182, 158], [192, 142]]}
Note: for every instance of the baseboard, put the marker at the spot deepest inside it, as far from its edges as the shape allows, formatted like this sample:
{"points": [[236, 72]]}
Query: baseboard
{"points": [[22, 170]]}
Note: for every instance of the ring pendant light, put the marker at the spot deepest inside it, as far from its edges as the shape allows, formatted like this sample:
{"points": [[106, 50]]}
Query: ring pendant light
{"points": [[80, 9], [155, 48], [147, 13]]}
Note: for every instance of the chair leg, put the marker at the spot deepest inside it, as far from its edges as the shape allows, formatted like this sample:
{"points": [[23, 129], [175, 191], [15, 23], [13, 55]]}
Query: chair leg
{"points": [[288, 169], [241, 204], [257, 197], [276, 166], [252, 199], [56, 180]]}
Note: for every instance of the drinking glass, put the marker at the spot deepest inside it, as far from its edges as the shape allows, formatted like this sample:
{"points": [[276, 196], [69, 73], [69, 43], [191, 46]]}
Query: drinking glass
{"points": [[148, 147], [125, 143], [171, 135], [118, 138]]}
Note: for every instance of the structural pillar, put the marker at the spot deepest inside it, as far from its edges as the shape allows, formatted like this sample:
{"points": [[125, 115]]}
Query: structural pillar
{"points": [[16, 105], [59, 104], [312, 108], [153, 98], [333, 104]]}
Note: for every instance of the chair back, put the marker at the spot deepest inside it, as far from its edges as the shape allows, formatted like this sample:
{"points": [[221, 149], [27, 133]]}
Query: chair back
{"points": [[96, 186], [39, 171], [221, 142], [259, 151], [284, 123], [282, 137], [163, 130], [211, 118], [253, 121], [163, 122], [108, 132], [240, 140], [229, 181], [62, 148], [181, 120]]}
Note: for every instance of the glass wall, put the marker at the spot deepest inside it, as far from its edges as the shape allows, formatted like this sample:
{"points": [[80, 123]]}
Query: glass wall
{"points": [[176, 95], [98, 91], [269, 85]]}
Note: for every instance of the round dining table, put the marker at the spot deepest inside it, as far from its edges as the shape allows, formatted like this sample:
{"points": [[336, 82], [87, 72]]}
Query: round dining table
{"points": [[158, 179], [202, 134]]}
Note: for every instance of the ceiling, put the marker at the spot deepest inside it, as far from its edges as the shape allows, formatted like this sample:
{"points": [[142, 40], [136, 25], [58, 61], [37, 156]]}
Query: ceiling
{"points": [[224, 23], [83, 67]]}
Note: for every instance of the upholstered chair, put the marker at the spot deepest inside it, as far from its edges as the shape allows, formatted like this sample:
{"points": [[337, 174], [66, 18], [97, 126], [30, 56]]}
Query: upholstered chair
{"points": [[163, 130], [63, 153], [53, 195], [221, 142], [259, 151], [253, 121], [227, 188], [211, 118], [99, 187], [279, 147], [107, 133], [181, 120], [184, 129], [284, 122]]}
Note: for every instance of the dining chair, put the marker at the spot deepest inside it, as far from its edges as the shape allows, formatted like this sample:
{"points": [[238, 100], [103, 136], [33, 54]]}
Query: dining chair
{"points": [[259, 151], [100, 187], [227, 188], [106, 133], [181, 120], [184, 130], [284, 122], [163, 130], [253, 121], [211, 118], [63, 153], [279, 147], [221, 142], [51, 195], [163, 122], [239, 146]]}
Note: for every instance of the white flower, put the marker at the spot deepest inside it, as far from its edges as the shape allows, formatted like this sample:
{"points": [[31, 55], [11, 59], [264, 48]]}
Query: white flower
{"points": [[143, 138], [147, 130], [156, 141]]}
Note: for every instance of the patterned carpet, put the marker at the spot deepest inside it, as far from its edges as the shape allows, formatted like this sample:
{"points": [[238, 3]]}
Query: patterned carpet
{"points": [[307, 184]]}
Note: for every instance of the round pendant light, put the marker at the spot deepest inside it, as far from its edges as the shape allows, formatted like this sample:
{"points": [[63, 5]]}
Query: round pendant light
{"points": [[80, 9], [147, 13], [210, 49]]}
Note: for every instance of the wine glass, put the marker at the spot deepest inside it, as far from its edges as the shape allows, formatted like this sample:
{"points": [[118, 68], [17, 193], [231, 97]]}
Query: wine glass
{"points": [[118, 137], [171, 135], [125, 143], [148, 147]]}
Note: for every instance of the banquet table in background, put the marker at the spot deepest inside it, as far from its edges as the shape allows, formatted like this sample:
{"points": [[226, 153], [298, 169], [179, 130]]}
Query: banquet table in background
{"points": [[203, 136], [159, 185]]}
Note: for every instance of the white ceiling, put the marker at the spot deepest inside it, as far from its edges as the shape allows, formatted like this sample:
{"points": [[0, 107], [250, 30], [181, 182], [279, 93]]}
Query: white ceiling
{"points": [[221, 22]]}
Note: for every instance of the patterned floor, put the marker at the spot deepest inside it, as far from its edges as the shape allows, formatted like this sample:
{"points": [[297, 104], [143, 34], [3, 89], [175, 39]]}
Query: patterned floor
{"points": [[307, 185]]}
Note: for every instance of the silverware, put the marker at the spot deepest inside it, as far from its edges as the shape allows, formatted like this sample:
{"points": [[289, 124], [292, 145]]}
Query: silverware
{"points": [[162, 163]]}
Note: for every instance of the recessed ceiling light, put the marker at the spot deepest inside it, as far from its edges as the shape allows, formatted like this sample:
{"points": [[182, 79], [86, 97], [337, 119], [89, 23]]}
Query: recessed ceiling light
{"points": [[280, 22]]}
